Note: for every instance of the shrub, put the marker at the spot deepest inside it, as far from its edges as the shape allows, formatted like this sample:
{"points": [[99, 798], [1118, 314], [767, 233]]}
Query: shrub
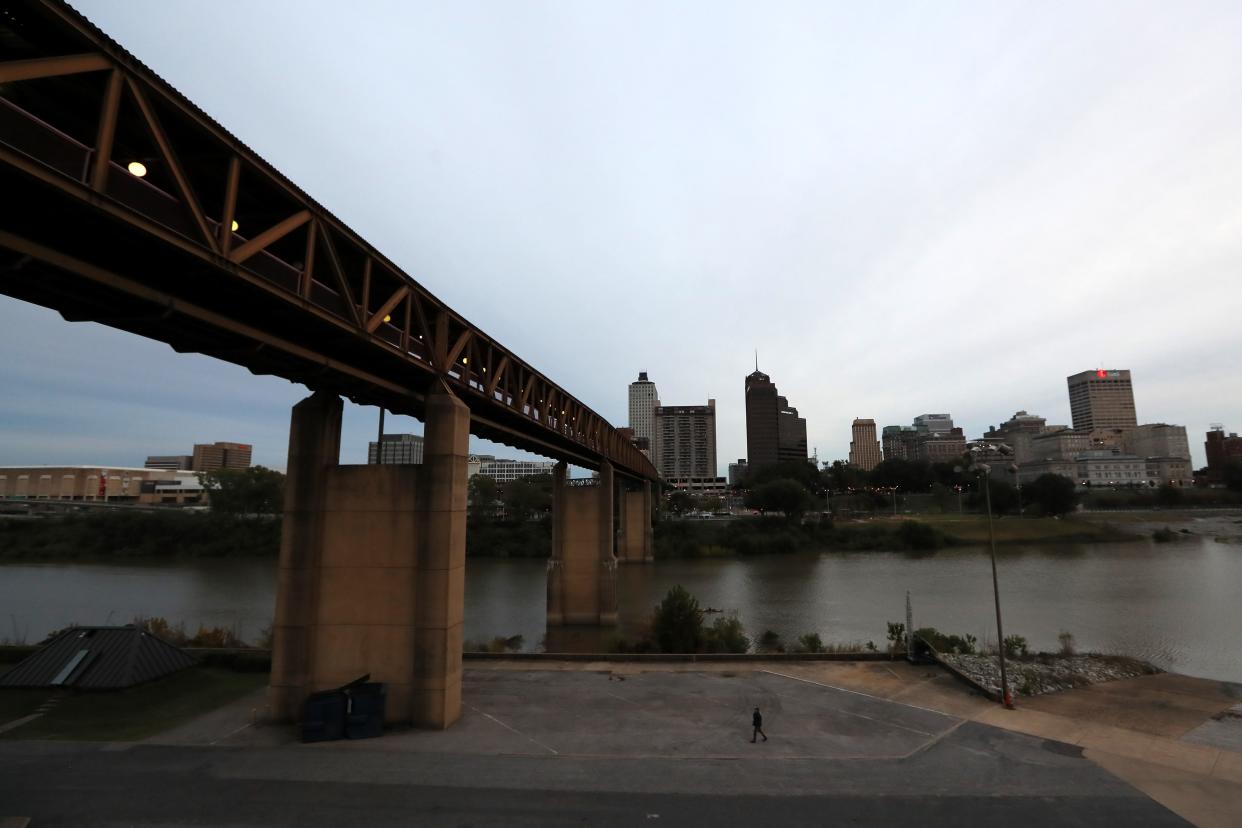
{"points": [[727, 635], [810, 643], [1052, 494], [915, 535], [896, 635], [221, 638], [770, 642], [677, 624], [1066, 640], [159, 627], [1015, 645], [1164, 535], [944, 643]]}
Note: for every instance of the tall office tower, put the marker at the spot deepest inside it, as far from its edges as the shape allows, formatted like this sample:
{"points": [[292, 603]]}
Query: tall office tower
{"points": [[1223, 450], [790, 432], [864, 448], [933, 422], [643, 401], [216, 456], [1102, 399], [685, 441], [762, 420], [398, 449], [737, 471]]}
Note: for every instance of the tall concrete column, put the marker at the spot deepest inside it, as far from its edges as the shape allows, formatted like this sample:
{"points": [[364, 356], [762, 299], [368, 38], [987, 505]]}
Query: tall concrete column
{"points": [[441, 568], [582, 571], [556, 562], [314, 446], [636, 542]]}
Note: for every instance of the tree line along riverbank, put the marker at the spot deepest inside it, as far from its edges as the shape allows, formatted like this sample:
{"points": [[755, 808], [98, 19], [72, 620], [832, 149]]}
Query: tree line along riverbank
{"points": [[173, 534]]}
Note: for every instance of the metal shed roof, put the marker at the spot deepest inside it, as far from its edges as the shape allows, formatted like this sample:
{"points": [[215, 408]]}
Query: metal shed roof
{"points": [[98, 658]]}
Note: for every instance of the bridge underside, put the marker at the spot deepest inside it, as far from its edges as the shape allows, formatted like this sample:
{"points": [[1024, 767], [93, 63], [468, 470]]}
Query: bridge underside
{"points": [[123, 203]]}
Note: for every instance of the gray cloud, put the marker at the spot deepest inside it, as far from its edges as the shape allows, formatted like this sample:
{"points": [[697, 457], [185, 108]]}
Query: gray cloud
{"points": [[906, 208]]}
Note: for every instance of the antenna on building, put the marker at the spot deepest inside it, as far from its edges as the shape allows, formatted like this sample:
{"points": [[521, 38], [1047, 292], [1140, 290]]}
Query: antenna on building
{"points": [[756, 360]]}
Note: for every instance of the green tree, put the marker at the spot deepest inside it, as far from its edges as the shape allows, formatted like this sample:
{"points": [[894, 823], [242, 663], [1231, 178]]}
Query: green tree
{"points": [[1004, 497], [253, 491], [810, 643], [528, 498], [1052, 494], [842, 477], [787, 496], [680, 502], [727, 635], [1168, 495], [907, 475], [482, 498], [896, 636], [799, 470], [1233, 476], [678, 622]]}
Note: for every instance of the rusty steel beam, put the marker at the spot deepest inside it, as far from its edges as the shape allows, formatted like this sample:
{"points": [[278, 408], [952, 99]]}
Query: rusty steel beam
{"points": [[308, 261], [170, 303], [51, 67], [189, 201], [334, 264], [274, 233], [107, 131], [229, 211], [387, 308]]}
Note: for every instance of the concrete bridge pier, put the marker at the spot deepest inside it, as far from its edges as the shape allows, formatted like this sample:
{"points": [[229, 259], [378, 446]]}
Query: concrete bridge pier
{"points": [[372, 568], [635, 542], [582, 571]]}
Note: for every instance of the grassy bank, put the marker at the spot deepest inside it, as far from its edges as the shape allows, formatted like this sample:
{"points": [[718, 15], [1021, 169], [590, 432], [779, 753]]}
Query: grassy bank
{"points": [[769, 535], [973, 529], [127, 715], [120, 534]]}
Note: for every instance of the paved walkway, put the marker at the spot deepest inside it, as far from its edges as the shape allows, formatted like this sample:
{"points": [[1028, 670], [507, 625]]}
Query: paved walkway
{"points": [[1147, 730], [881, 741]]}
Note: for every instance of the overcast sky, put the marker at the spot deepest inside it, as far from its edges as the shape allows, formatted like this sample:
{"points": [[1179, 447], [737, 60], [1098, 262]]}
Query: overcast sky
{"points": [[905, 207]]}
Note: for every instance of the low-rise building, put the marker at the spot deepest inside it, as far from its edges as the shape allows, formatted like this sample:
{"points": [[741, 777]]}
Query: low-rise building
{"points": [[217, 456], [503, 470], [111, 484], [1111, 468], [704, 486]]}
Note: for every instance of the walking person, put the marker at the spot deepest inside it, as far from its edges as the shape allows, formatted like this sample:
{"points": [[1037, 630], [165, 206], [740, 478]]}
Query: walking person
{"points": [[757, 722]]}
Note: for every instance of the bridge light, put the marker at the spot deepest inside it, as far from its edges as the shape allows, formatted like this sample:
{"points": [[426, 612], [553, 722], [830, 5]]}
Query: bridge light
{"points": [[137, 168], [485, 370], [388, 317], [465, 361], [235, 225]]}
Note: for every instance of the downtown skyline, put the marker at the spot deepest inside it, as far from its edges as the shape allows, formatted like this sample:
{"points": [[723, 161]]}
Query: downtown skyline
{"points": [[896, 232]]}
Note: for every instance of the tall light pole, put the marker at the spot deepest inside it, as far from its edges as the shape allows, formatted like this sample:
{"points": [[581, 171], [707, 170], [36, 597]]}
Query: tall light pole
{"points": [[379, 445], [986, 471]]}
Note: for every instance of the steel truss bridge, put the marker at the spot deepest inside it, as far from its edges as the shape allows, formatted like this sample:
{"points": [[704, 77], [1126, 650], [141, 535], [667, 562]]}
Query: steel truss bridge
{"points": [[206, 247]]}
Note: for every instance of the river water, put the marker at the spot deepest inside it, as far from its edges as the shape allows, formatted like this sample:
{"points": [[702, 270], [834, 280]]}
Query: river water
{"points": [[1178, 605]]}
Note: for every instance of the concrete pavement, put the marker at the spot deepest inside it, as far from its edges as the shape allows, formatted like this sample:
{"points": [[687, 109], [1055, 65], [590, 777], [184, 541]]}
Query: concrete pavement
{"points": [[610, 746]]}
